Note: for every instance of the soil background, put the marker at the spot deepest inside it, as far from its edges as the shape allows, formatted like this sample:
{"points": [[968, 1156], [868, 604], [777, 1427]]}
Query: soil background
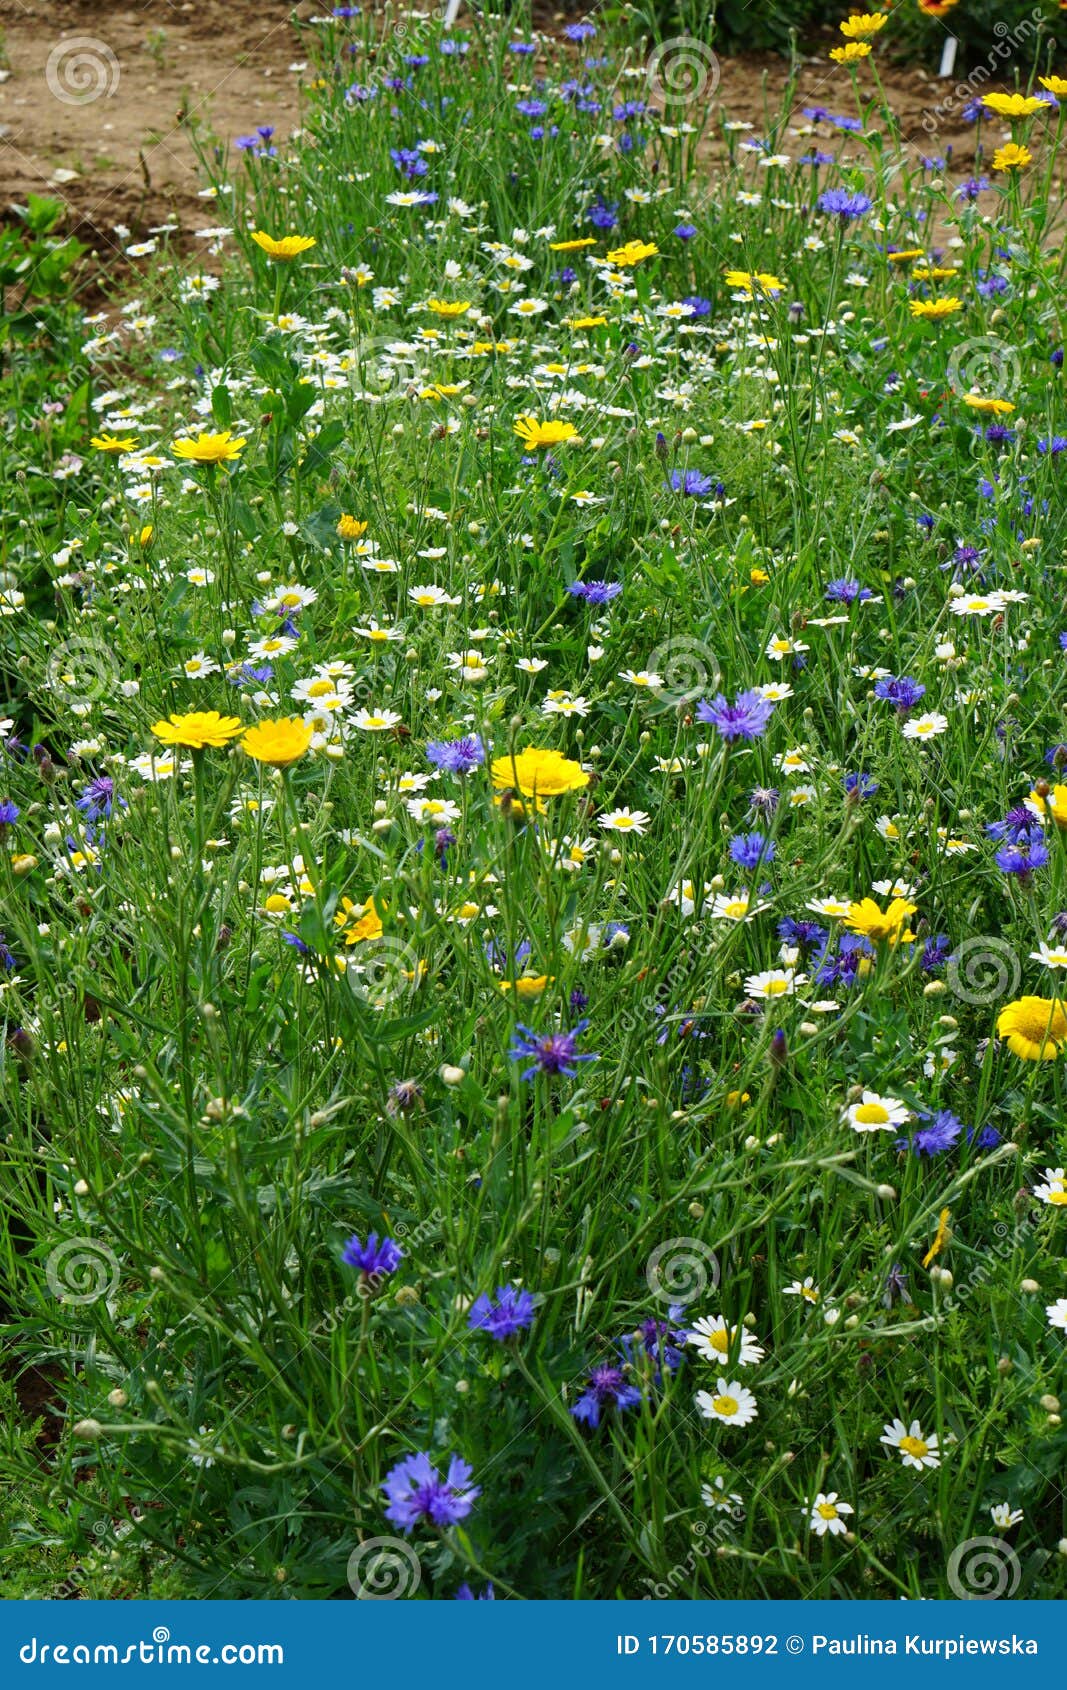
{"points": [[125, 157]]}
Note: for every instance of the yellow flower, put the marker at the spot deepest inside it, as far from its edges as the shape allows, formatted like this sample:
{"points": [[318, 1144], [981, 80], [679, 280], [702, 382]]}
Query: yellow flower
{"points": [[850, 51], [888, 925], [534, 433], [993, 407], [1011, 157], [1035, 1028], [209, 448], [572, 246], [114, 442], [539, 773], [278, 741], [144, 538], [528, 986], [448, 307], [861, 24], [587, 322], [1012, 105], [934, 308], [941, 1238], [289, 247], [1054, 84], [758, 577], [350, 528], [934, 272], [1054, 804], [908, 256], [634, 252], [757, 281], [23, 863], [198, 729], [360, 921]]}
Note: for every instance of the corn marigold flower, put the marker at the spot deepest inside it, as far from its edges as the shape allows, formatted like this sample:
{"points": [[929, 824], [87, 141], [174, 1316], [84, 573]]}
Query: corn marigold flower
{"points": [[536, 434], [888, 926], [284, 250], [209, 448], [862, 24], [1013, 105], [350, 527], [198, 730], [850, 52], [1034, 1028], [1054, 84], [753, 282], [114, 442], [278, 741], [360, 922], [988, 406], [540, 773], [1012, 157], [935, 308], [633, 253], [448, 307]]}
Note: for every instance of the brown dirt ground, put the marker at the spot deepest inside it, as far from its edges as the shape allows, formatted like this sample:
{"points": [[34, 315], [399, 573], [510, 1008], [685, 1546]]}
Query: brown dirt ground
{"points": [[125, 158]]}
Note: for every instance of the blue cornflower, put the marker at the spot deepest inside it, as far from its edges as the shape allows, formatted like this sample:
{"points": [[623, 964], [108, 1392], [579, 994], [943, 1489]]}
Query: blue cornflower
{"points": [[1054, 445], [522, 47], [582, 31], [552, 1053], [903, 692], [701, 307], [846, 591], [531, 108], [416, 1491], [297, 943], [763, 800], [9, 813], [936, 953], [1022, 859], [685, 231], [98, 799], [602, 215], [466, 1594], [663, 1341], [595, 592], [837, 202], [983, 1138], [864, 786], [943, 1131], [578, 1000], [693, 484], [801, 932], [748, 850], [7, 956], [1017, 827], [607, 1388], [456, 756], [745, 718], [372, 1258], [512, 1311]]}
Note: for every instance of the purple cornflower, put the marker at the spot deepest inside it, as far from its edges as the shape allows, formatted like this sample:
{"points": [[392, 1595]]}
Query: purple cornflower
{"points": [[837, 202], [552, 1053], [701, 306], [456, 756], [903, 692], [693, 484], [1054, 445], [663, 1342], [983, 1138], [578, 1000], [416, 1491], [685, 231], [896, 1285], [607, 1388], [936, 952], [512, 1311], [745, 718], [1017, 827], [595, 592], [763, 800], [372, 1258], [98, 799], [801, 932], [582, 31], [748, 850]]}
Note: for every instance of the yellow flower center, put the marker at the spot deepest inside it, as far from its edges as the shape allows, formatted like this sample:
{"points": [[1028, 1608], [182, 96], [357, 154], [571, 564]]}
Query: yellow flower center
{"points": [[826, 1511], [914, 1446], [873, 1114], [725, 1405]]}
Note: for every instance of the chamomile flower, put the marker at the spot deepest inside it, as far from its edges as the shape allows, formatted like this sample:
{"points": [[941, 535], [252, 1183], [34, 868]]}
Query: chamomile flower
{"points": [[731, 1403], [914, 1449]]}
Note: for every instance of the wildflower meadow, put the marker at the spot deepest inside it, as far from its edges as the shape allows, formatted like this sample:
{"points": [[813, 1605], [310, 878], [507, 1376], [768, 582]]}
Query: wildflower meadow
{"points": [[533, 837]]}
